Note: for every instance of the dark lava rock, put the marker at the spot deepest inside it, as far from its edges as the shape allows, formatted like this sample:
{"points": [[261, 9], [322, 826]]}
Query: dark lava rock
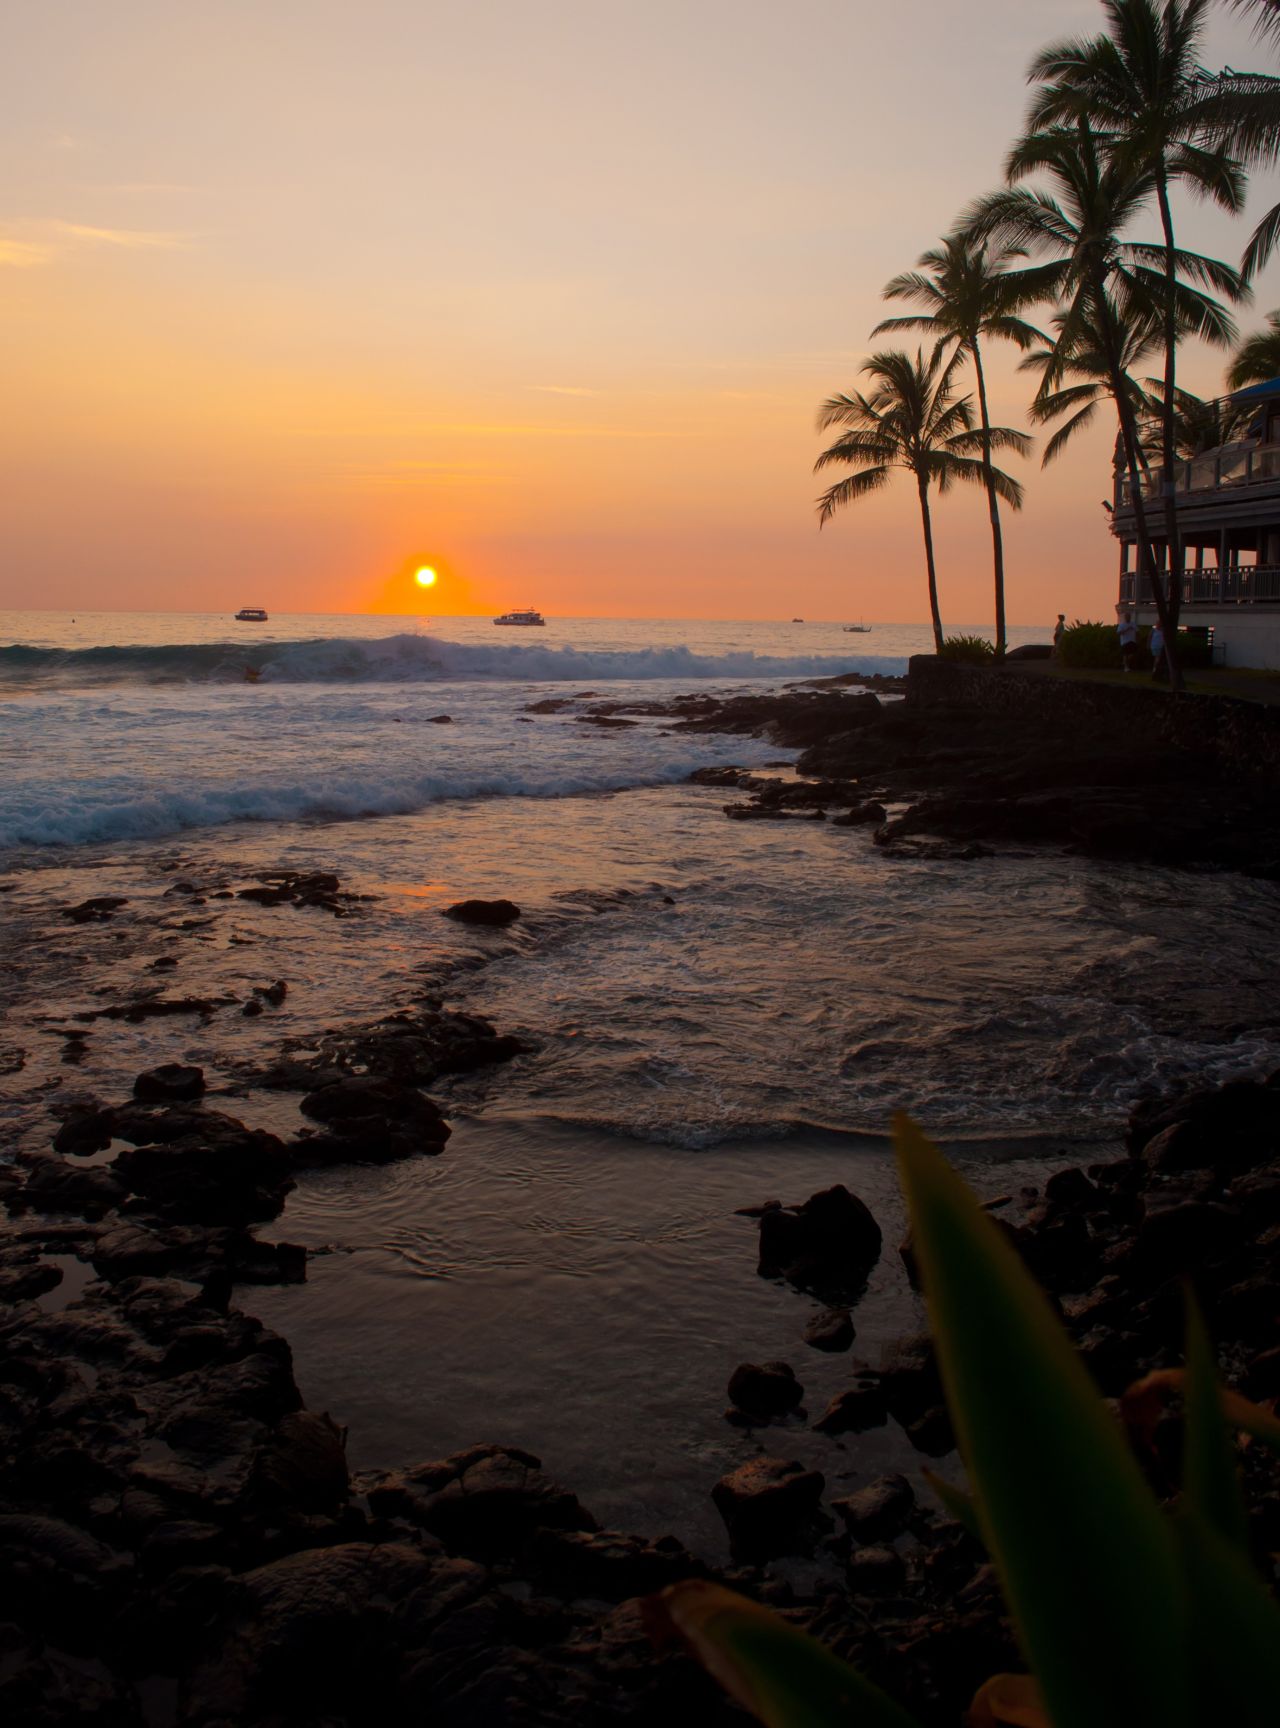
{"points": [[369, 1120], [411, 1047], [85, 1131], [316, 888], [222, 1174], [831, 1330], [909, 1377], [54, 1185], [608, 1565], [867, 814], [765, 1391], [716, 776], [879, 1510], [851, 1412], [1229, 1129], [305, 1462], [488, 912], [828, 1245], [95, 911], [771, 1506], [875, 1571], [439, 720], [272, 993], [484, 1502], [170, 1083]]}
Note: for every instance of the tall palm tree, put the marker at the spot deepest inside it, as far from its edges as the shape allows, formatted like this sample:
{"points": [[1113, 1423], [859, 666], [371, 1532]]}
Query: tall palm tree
{"points": [[1102, 282], [970, 292], [1257, 359], [1141, 84], [911, 418]]}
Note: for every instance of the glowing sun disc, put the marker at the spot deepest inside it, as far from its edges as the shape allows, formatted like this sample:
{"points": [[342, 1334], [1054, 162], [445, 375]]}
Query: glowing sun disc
{"points": [[425, 578]]}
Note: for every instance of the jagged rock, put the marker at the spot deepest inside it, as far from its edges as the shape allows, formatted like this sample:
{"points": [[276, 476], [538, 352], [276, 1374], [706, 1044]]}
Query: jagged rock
{"points": [[305, 1462], [771, 1506], [483, 1502], [369, 1119]]}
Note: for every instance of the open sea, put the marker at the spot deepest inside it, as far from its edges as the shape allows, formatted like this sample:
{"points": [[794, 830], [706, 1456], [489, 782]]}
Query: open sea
{"points": [[717, 1012]]}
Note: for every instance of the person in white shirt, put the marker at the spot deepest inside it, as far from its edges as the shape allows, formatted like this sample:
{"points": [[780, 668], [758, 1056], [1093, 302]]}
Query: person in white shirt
{"points": [[1127, 631], [1160, 665]]}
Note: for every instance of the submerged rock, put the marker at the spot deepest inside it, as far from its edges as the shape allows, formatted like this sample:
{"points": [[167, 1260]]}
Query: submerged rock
{"points": [[771, 1506], [830, 1330], [170, 1083], [765, 1391], [495, 913]]}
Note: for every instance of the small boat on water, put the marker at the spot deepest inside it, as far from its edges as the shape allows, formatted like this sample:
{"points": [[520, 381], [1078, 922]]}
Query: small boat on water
{"points": [[858, 629], [251, 615], [526, 616]]}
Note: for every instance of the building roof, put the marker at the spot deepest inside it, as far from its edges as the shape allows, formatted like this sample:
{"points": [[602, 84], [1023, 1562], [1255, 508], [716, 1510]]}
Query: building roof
{"points": [[1256, 392]]}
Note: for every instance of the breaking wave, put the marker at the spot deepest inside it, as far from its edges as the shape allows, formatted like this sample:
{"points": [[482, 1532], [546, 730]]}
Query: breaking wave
{"points": [[107, 812], [404, 659]]}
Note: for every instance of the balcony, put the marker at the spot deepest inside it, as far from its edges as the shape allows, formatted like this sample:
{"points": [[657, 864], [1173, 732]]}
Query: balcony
{"points": [[1230, 585], [1226, 469]]}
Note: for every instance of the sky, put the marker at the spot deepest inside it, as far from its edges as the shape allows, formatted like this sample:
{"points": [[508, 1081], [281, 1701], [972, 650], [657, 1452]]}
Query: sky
{"points": [[296, 296]]}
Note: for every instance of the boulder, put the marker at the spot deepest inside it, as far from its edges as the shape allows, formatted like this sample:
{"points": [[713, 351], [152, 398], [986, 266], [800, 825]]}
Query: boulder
{"points": [[875, 1571], [854, 1411], [485, 1502], [879, 1510], [495, 913], [765, 1391], [170, 1083], [831, 1330], [828, 1245], [771, 1506]]}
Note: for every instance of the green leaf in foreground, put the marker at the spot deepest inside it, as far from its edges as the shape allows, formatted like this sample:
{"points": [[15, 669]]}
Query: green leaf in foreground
{"points": [[771, 1668], [1237, 1628], [1210, 1485], [1087, 1560]]}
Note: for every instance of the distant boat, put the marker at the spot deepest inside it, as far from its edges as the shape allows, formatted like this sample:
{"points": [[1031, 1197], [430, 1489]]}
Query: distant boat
{"points": [[251, 615], [526, 616], [858, 629], [797, 620]]}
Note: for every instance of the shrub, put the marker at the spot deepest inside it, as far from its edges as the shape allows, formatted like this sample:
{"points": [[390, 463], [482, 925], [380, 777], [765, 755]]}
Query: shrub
{"points": [[968, 650], [1090, 644], [1177, 1626]]}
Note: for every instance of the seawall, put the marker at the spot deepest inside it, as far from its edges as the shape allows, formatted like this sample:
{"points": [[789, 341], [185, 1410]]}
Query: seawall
{"points": [[1241, 738]]}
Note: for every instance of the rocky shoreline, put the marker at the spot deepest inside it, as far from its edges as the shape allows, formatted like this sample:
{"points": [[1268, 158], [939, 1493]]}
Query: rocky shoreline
{"points": [[182, 1539]]}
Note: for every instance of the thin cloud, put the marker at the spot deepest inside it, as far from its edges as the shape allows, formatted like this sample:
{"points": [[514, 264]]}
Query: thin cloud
{"points": [[23, 254], [563, 390], [132, 238]]}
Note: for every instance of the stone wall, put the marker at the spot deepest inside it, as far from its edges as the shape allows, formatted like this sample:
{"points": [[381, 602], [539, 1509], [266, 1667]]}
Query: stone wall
{"points": [[1243, 737]]}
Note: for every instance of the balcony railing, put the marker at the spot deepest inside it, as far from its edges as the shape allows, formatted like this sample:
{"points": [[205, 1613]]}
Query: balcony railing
{"points": [[1247, 463], [1232, 585]]}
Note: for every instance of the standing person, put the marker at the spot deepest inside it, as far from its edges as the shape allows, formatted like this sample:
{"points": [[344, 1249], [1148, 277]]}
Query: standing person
{"points": [[1127, 631], [1160, 664], [1059, 631]]}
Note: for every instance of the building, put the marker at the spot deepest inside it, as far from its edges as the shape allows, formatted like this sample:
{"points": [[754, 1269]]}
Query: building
{"points": [[1228, 501]]}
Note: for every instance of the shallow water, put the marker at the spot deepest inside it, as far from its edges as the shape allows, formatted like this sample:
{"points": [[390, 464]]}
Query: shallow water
{"points": [[716, 1013]]}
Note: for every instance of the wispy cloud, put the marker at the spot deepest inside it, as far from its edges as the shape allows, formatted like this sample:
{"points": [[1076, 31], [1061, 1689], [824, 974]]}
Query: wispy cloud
{"points": [[23, 254], [563, 390], [29, 244], [134, 238]]}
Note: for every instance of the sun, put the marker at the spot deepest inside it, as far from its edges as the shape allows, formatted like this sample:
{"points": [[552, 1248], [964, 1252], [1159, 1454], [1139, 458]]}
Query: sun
{"points": [[426, 577]]}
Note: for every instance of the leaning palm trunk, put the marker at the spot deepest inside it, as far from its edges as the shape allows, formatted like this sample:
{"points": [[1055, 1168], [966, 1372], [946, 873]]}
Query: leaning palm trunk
{"points": [[1168, 452], [922, 486], [1146, 558], [993, 508]]}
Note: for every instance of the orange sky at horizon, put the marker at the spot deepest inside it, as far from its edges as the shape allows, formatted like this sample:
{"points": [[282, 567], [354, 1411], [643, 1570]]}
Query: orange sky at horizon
{"points": [[294, 302]]}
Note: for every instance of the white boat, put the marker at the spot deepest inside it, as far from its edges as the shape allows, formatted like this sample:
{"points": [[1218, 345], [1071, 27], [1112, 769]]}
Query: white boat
{"points": [[251, 615], [526, 616], [857, 629]]}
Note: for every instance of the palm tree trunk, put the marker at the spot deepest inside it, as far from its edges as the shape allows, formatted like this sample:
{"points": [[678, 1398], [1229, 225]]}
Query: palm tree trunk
{"points": [[993, 508], [1168, 453], [922, 486], [1129, 438]]}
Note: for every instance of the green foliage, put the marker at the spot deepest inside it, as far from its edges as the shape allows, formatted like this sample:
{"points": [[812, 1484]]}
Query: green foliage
{"points": [[1090, 644], [968, 650], [1127, 1615]]}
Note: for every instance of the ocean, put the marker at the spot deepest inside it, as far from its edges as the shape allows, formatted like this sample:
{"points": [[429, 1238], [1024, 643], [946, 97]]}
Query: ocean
{"points": [[716, 1012]]}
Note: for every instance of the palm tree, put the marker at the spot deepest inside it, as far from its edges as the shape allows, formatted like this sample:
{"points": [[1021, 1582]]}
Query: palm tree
{"points": [[970, 293], [911, 418], [1104, 283], [1078, 382], [1257, 359], [1143, 87]]}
